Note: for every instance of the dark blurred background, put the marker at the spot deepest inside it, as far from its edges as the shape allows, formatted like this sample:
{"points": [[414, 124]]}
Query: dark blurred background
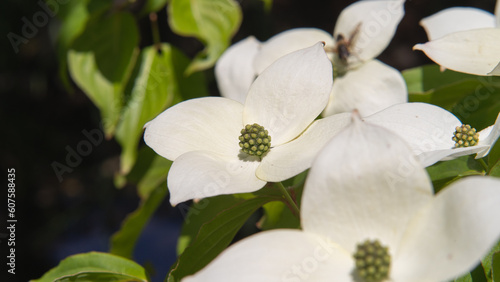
{"points": [[41, 120]]}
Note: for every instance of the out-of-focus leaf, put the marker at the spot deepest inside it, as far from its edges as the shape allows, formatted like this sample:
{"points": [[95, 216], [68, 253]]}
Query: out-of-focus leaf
{"points": [[278, 215], [123, 242], [100, 61], [214, 237], [213, 22], [443, 173], [152, 6], [159, 83], [268, 4], [95, 266], [494, 155], [465, 278]]}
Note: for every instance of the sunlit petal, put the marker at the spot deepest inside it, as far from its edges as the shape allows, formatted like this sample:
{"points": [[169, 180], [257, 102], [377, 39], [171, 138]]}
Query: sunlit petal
{"points": [[472, 51], [290, 93], [451, 235], [211, 124], [368, 184]]}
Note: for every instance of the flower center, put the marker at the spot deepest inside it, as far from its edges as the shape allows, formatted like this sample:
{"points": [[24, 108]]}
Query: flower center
{"points": [[465, 136], [255, 140], [372, 261]]}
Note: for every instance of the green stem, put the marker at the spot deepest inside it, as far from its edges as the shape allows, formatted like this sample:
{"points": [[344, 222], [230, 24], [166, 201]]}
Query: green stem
{"points": [[485, 166], [153, 18], [288, 198]]}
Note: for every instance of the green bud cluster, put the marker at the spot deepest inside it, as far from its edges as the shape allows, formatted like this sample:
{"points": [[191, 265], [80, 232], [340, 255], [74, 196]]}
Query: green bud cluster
{"points": [[254, 140], [465, 136], [372, 261]]}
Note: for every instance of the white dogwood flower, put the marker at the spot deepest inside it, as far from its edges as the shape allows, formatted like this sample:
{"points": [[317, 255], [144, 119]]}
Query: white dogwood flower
{"points": [[220, 146], [464, 39], [362, 31], [430, 131], [368, 211]]}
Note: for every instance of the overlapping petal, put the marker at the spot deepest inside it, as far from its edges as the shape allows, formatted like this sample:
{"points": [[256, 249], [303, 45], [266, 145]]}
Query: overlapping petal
{"points": [[287, 42], [290, 93], [268, 256], [292, 158], [200, 174], [368, 184], [210, 123], [234, 69], [379, 21], [472, 51], [448, 237], [382, 86], [456, 19]]}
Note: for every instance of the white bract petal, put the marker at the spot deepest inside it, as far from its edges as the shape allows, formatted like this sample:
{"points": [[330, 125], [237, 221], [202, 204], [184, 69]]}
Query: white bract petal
{"points": [[456, 19], [234, 69], [377, 21], [370, 88], [472, 51], [287, 42], [211, 124], [290, 94], [201, 174], [429, 129], [447, 238], [367, 183], [278, 255], [292, 158]]}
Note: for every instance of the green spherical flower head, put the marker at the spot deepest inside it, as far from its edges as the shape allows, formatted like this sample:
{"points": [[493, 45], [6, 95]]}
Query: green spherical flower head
{"points": [[255, 140], [465, 136], [372, 261]]}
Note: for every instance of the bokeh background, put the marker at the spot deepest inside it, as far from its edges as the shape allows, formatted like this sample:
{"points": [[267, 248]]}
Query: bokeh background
{"points": [[40, 119]]}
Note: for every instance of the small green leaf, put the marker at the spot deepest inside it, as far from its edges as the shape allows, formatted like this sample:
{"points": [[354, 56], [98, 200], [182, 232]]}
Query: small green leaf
{"points": [[214, 237], [95, 266], [100, 61], [213, 22]]}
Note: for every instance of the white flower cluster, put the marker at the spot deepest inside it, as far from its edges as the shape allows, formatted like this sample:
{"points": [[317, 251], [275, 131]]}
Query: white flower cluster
{"points": [[367, 178]]}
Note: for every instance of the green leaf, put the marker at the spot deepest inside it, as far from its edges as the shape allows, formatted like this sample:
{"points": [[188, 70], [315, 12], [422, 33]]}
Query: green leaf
{"points": [[268, 4], [159, 83], [465, 278], [199, 213], [495, 267], [213, 22], [278, 215], [123, 242], [443, 173], [425, 78], [213, 237], [95, 266], [487, 261], [100, 61]]}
